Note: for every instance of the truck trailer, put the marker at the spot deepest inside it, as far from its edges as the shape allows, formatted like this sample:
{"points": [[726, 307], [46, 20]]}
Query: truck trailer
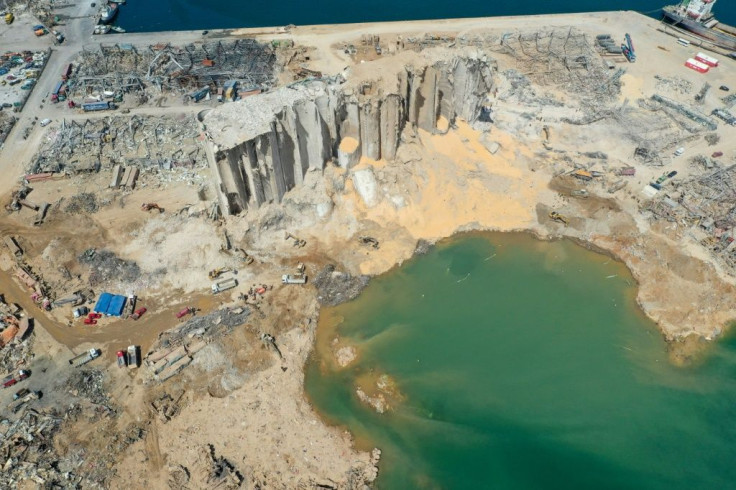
{"points": [[132, 356], [220, 286], [84, 357], [97, 106]]}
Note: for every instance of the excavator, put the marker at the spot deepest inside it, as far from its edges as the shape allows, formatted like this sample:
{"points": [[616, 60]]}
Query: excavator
{"points": [[298, 242], [560, 218], [147, 206], [215, 273]]}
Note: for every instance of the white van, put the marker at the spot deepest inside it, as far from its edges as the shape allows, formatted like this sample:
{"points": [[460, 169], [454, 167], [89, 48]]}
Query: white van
{"points": [[679, 151], [45, 122]]}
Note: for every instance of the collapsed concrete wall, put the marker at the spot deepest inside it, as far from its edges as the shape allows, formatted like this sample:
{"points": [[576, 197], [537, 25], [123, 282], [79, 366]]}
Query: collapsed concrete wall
{"points": [[261, 147]]}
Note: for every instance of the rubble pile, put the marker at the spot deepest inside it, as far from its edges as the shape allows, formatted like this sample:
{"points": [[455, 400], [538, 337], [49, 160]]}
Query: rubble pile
{"points": [[338, 287], [148, 143], [167, 406], [6, 124], [176, 348], [208, 471], [89, 384], [85, 202], [209, 325], [17, 353], [562, 58], [673, 84], [703, 206], [26, 451], [162, 68], [106, 266]]}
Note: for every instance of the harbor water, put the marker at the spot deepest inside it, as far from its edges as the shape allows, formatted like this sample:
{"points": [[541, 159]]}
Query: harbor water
{"points": [[522, 364], [175, 15]]}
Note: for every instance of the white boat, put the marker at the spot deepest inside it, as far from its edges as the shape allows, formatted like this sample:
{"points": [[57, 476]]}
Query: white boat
{"points": [[117, 29]]}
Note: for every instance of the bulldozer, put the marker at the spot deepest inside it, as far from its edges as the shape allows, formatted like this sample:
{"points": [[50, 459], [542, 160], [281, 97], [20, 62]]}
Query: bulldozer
{"points": [[147, 206], [560, 218], [215, 273], [298, 242]]}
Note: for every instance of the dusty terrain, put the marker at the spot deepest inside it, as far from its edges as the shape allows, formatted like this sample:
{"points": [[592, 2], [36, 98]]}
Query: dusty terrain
{"points": [[236, 414]]}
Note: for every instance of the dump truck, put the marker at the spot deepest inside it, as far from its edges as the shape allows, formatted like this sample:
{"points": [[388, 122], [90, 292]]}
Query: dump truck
{"points": [[132, 356], [220, 286], [294, 279], [84, 357]]}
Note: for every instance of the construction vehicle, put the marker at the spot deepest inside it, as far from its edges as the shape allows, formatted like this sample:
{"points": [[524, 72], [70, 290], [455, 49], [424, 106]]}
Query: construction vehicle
{"points": [[186, 311], [369, 240], [9, 18], [84, 357], [294, 279], [215, 273], [555, 216], [221, 286], [132, 356], [122, 360], [298, 242], [147, 206], [244, 256], [138, 313]]}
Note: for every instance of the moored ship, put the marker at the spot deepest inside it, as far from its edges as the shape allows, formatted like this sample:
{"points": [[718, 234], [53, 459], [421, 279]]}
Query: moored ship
{"points": [[697, 17], [109, 12]]}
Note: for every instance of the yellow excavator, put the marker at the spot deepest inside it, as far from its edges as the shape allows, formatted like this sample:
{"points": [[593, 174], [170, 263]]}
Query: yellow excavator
{"points": [[560, 218], [215, 273]]}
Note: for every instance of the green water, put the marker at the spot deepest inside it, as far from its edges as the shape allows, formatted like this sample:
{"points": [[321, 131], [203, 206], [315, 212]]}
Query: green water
{"points": [[523, 366]]}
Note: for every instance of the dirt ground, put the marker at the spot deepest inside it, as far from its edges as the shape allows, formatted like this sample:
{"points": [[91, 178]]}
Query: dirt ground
{"points": [[237, 414]]}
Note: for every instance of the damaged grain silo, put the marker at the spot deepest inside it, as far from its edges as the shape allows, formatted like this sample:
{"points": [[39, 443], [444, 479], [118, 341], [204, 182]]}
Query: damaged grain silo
{"points": [[261, 147]]}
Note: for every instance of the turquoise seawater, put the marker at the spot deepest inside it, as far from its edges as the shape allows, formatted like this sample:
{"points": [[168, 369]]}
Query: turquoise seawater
{"points": [[525, 365], [140, 15]]}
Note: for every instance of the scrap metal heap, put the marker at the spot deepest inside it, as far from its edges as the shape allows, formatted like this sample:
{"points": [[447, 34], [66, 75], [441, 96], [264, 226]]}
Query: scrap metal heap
{"points": [[145, 142], [703, 206], [173, 69], [562, 58]]}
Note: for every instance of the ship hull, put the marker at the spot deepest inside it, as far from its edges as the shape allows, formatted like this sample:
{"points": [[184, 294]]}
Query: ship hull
{"points": [[721, 39], [109, 15]]}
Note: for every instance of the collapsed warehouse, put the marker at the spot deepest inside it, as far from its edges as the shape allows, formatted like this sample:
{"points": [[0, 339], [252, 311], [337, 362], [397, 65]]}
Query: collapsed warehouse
{"points": [[145, 142], [158, 69]]}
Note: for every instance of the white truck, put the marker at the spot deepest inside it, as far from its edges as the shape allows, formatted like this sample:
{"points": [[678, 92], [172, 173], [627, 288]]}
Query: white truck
{"points": [[294, 279], [132, 356], [84, 357], [221, 286]]}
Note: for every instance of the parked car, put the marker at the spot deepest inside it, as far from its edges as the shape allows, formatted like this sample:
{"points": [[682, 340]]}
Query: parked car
{"points": [[724, 88], [45, 122]]}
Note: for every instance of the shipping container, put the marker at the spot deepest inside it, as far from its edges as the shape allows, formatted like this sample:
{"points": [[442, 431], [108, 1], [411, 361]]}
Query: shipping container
{"points": [[708, 60], [697, 65], [66, 73]]}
